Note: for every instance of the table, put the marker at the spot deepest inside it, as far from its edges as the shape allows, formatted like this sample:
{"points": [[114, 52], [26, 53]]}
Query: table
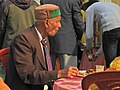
{"points": [[68, 84]]}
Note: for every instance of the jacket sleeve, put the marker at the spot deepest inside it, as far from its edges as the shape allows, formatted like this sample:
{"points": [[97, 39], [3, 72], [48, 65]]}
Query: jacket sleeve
{"points": [[77, 18], [89, 27]]}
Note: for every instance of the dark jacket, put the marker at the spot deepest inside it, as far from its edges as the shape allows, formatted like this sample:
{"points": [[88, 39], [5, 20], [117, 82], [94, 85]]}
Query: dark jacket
{"points": [[17, 15], [1, 1], [72, 27], [27, 68]]}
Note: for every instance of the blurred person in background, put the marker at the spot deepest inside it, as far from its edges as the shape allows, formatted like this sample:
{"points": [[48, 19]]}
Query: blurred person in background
{"points": [[107, 15], [64, 44], [1, 1], [16, 16]]}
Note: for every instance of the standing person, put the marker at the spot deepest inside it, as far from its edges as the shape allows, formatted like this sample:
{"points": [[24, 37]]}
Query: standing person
{"points": [[2, 73], [107, 15], [28, 68], [17, 15], [1, 1], [64, 43]]}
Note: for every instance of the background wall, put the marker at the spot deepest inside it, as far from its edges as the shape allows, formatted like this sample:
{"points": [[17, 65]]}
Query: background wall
{"points": [[105, 0], [116, 1]]}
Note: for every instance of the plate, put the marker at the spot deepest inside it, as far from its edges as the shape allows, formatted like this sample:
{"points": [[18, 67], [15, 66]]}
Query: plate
{"points": [[82, 73]]}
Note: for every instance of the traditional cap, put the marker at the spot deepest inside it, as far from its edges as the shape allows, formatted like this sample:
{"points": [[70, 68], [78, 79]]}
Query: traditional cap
{"points": [[46, 11]]}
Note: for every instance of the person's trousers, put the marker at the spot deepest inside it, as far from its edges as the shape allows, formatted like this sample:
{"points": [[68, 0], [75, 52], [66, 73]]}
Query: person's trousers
{"points": [[111, 45], [66, 60]]}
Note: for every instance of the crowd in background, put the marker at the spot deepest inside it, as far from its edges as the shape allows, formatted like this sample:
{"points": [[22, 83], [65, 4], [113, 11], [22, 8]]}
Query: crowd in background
{"points": [[68, 27]]}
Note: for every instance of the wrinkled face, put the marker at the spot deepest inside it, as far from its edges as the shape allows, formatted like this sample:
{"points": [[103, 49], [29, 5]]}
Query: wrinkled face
{"points": [[53, 25]]}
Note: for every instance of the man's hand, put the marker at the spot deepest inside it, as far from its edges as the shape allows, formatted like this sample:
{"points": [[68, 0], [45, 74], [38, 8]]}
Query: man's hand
{"points": [[68, 72]]}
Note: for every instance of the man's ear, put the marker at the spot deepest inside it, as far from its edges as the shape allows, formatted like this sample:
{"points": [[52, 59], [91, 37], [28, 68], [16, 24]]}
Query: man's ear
{"points": [[46, 23]]}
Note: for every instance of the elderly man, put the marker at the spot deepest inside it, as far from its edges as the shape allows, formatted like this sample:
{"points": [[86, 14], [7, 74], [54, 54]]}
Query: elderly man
{"points": [[29, 68]]}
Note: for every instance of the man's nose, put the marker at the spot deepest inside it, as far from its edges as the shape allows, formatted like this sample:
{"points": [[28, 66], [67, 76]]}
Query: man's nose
{"points": [[59, 24]]}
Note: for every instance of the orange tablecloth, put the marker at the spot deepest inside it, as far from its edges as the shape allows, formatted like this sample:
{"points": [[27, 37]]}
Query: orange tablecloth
{"points": [[68, 84]]}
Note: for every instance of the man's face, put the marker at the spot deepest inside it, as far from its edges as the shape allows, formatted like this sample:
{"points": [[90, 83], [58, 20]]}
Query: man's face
{"points": [[53, 26]]}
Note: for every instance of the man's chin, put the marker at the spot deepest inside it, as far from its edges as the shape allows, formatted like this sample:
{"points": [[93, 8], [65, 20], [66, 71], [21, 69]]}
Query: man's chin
{"points": [[52, 34]]}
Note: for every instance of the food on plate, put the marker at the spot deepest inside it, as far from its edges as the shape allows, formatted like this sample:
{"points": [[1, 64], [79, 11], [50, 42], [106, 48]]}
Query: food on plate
{"points": [[90, 71], [81, 73]]}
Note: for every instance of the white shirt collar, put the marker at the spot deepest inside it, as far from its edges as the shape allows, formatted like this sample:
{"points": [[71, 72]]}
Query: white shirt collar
{"points": [[39, 35]]}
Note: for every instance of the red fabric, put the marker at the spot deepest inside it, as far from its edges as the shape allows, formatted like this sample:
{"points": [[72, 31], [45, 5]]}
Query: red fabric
{"points": [[47, 55], [4, 56], [86, 64], [4, 51]]}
